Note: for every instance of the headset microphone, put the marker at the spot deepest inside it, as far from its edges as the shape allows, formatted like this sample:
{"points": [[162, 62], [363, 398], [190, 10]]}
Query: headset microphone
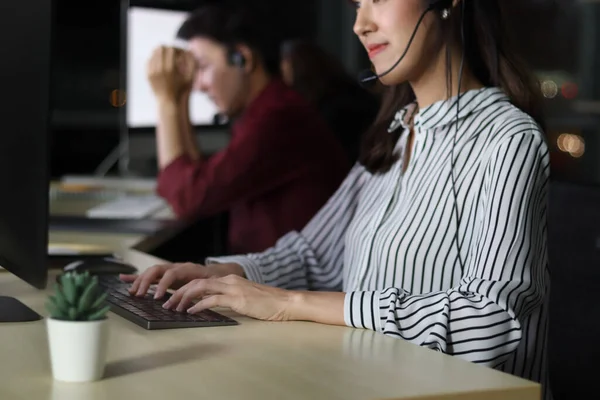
{"points": [[368, 77]]}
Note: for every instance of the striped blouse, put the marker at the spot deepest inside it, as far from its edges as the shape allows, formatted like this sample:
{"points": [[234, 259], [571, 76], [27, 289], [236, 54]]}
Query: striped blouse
{"points": [[389, 240]]}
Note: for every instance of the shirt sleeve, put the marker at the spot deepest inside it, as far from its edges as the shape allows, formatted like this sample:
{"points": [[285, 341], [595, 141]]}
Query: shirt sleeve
{"points": [[313, 258], [265, 153], [503, 280]]}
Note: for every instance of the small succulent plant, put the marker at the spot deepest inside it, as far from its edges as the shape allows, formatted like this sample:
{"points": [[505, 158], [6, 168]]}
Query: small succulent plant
{"points": [[78, 297]]}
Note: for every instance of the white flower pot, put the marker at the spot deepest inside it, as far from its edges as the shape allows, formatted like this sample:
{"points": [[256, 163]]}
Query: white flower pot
{"points": [[77, 349]]}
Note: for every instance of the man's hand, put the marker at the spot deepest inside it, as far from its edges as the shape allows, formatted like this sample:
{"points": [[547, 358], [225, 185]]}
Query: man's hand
{"points": [[171, 73]]}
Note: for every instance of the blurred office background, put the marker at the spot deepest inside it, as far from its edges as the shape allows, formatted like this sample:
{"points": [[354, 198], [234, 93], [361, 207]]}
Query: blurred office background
{"points": [[95, 44], [560, 38]]}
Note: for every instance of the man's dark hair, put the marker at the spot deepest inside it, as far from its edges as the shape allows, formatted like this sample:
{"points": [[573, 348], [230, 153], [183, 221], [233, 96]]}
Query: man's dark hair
{"points": [[235, 22]]}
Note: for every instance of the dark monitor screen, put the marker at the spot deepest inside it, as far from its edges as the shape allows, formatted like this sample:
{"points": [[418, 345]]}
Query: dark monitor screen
{"points": [[25, 70]]}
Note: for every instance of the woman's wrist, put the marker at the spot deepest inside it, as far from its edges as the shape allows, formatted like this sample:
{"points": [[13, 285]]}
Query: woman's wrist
{"points": [[322, 307], [296, 305], [228, 269]]}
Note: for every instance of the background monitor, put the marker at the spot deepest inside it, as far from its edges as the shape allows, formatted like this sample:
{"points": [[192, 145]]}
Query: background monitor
{"points": [[24, 163], [148, 28]]}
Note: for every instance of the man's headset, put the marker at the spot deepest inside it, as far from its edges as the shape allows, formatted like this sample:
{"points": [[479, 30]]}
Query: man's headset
{"points": [[236, 59], [368, 76]]}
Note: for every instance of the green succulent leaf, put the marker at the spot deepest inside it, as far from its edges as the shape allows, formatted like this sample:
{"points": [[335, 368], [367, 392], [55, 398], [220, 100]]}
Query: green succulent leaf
{"points": [[78, 297], [79, 280], [87, 296], [69, 290], [60, 301], [57, 307], [53, 310], [66, 276], [98, 314], [99, 301]]}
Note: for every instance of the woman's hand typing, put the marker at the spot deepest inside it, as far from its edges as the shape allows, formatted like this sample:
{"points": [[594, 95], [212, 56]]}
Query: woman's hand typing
{"points": [[174, 276], [237, 293]]}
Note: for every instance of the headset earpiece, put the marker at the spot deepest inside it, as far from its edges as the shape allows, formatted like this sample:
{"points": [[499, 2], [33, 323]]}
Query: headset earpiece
{"points": [[441, 6], [236, 59]]}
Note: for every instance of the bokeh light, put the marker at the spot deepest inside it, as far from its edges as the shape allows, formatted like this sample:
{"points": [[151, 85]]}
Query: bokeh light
{"points": [[572, 144], [549, 89], [569, 90]]}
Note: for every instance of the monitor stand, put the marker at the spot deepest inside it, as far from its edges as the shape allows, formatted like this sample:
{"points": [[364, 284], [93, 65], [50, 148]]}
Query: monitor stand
{"points": [[12, 310]]}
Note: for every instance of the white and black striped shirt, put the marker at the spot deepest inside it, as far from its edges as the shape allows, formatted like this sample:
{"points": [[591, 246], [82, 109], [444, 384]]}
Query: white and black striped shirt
{"points": [[388, 240]]}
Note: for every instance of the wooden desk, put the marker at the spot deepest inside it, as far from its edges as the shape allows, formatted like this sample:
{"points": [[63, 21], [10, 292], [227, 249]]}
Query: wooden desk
{"points": [[255, 360]]}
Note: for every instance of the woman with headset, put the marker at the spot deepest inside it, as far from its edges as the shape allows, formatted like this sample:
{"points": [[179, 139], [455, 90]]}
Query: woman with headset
{"points": [[438, 234]]}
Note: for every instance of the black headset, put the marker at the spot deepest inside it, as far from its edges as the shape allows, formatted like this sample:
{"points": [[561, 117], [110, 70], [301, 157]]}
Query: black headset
{"points": [[369, 76], [236, 58]]}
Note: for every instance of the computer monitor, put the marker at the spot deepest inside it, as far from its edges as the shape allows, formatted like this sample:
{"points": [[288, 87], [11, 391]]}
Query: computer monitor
{"points": [[147, 29], [24, 163]]}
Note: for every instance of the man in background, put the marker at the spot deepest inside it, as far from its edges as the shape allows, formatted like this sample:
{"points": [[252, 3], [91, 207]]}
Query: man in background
{"points": [[282, 163]]}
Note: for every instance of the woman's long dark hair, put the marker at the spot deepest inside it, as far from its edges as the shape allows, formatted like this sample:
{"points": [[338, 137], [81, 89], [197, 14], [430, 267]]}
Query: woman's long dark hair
{"points": [[489, 55]]}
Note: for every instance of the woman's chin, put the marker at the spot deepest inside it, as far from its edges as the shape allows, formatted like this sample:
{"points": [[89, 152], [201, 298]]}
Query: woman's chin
{"points": [[390, 80]]}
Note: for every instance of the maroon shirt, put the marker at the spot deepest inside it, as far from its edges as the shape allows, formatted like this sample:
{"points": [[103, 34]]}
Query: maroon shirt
{"points": [[280, 167]]}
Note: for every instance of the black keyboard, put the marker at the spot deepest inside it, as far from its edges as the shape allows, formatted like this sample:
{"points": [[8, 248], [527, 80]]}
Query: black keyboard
{"points": [[149, 313]]}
